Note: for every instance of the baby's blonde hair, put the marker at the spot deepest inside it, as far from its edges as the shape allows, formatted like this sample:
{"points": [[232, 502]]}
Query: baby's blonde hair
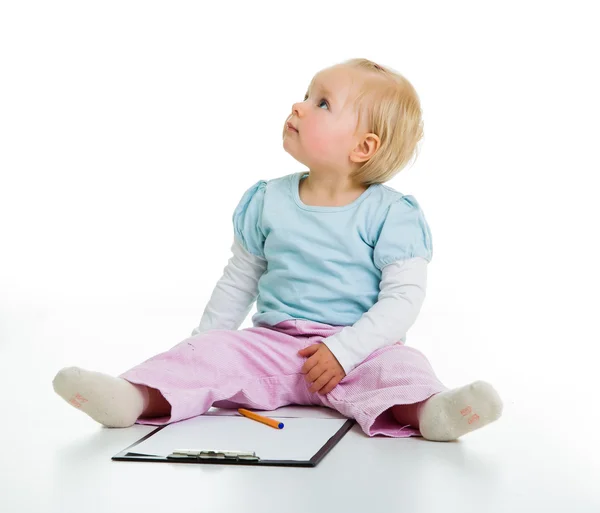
{"points": [[393, 112]]}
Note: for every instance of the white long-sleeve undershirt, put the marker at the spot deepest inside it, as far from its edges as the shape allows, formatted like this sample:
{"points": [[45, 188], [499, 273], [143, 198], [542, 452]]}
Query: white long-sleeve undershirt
{"points": [[402, 293]]}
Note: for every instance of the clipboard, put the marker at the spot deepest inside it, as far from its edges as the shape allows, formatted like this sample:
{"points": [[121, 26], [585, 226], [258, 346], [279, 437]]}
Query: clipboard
{"points": [[226, 438]]}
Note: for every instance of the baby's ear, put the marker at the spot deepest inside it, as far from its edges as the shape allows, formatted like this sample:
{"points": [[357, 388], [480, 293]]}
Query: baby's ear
{"points": [[366, 148]]}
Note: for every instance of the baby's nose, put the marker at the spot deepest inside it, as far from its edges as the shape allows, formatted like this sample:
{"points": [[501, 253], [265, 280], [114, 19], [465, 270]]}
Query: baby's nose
{"points": [[297, 109]]}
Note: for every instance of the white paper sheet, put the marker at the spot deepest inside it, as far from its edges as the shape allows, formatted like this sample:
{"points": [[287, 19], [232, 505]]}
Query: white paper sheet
{"points": [[299, 440]]}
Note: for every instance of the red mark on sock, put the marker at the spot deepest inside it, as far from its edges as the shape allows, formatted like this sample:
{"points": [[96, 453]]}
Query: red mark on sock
{"points": [[474, 418], [77, 400], [466, 411]]}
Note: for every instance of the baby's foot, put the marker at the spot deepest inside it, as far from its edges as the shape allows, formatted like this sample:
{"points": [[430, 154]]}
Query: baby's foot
{"points": [[451, 414], [111, 401]]}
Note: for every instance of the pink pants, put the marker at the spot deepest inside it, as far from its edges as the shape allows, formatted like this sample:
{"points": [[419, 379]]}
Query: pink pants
{"points": [[259, 368]]}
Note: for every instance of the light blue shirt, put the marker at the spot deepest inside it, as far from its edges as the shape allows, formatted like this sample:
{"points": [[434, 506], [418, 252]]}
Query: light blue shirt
{"points": [[324, 264]]}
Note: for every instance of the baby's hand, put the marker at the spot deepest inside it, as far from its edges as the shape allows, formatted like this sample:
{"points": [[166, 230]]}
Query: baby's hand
{"points": [[321, 369]]}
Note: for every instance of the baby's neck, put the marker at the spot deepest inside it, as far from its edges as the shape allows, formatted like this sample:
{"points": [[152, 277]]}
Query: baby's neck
{"points": [[314, 192]]}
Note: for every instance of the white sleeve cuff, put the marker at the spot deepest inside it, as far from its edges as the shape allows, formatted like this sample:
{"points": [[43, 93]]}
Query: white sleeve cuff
{"points": [[402, 293]]}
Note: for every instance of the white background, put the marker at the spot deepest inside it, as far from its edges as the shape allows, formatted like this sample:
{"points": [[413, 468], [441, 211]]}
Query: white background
{"points": [[130, 130]]}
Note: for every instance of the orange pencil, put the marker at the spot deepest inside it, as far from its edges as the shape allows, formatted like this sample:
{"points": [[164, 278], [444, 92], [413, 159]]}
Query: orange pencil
{"points": [[265, 420]]}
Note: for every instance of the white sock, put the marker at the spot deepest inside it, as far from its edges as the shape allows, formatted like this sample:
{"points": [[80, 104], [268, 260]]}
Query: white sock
{"points": [[451, 414], [111, 401]]}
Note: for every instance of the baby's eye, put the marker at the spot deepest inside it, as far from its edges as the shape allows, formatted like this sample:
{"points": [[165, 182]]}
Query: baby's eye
{"points": [[323, 100]]}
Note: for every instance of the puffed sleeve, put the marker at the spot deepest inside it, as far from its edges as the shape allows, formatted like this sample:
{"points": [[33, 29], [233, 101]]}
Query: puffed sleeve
{"points": [[247, 219], [404, 234]]}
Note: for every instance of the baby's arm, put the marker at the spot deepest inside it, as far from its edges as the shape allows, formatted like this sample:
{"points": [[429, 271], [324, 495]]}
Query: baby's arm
{"points": [[235, 292], [402, 293]]}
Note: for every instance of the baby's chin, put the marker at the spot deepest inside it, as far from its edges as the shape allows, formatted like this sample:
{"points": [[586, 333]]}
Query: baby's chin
{"points": [[293, 154], [289, 146]]}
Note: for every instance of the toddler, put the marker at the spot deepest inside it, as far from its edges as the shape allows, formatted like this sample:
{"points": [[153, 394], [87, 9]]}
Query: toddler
{"points": [[337, 262]]}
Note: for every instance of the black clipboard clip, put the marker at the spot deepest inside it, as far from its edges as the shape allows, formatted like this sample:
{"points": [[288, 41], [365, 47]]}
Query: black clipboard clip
{"points": [[213, 455]]}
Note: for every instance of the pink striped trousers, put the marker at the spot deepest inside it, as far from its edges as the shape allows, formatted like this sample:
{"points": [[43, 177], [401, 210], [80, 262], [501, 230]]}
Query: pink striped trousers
{"points": [[259, 368]]}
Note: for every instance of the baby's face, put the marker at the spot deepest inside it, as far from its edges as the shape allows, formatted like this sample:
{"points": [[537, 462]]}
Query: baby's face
{"points": [[325, 120]]}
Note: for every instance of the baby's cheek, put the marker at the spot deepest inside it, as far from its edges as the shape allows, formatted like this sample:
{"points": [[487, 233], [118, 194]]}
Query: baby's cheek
{"points": [[320, 142]]}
